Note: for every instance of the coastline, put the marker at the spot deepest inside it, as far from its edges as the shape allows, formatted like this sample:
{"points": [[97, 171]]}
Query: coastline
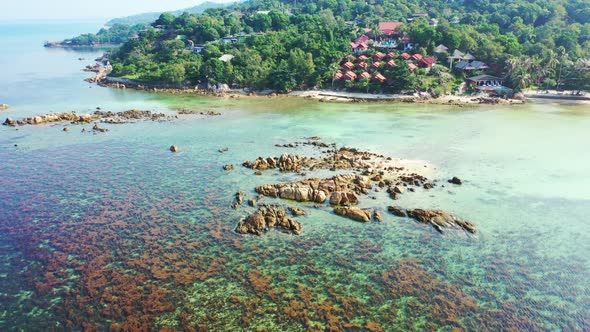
{"points": [[319, 95]]}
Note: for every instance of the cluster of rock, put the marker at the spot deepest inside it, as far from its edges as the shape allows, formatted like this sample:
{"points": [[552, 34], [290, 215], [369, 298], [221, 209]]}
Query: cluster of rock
{"points": [[313, 190], [51, 118], [267, 217], [207, 113], [438, 219], [130, 115], [285, 163], [368, 172], [74, 118]]}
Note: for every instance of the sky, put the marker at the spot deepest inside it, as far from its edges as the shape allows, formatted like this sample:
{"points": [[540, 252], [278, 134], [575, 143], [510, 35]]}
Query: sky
{"points": [[13, 10]]}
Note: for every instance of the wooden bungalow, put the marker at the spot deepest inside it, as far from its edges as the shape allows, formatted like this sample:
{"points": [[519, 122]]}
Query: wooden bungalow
{"points": [[358, 47], [378, 56], [405, 56], [418, 57], [365, 75], [390, 64], [338, 76], [379, 78], [348, 65], [362, 65], [349, 76], [376, 65], [361, 58], [412, 67], [441, 49], [390, 55], [427, 62]]}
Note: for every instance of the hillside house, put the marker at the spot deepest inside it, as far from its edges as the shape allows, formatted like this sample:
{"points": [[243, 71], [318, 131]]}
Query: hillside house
{"points": [[389, 28]]}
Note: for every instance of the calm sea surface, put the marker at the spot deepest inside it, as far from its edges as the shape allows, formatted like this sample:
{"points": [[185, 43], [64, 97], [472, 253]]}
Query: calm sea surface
{"points": [[113, 231]]}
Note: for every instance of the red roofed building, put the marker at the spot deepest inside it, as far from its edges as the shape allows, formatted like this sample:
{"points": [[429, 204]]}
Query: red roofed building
{"points": [[379, 77], [389, 28], [427, 62], [412, 67], [361, 58], [350, 76], [363, 65], [405, 56], [366, 75], [376, 65], [418, 57], [338, 76], [390, 63], [378, 56], [390, 55], [362, 39], [349, 65], [358, 47]]}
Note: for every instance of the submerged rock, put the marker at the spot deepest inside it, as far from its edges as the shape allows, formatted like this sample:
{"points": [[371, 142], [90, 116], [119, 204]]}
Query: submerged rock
{"points": [[296, 212], [238, 200], [441, 219], [397, 211], [228, 167], [377, 215], [455, 180], [99, 129], [267, 217], [354, 213]]}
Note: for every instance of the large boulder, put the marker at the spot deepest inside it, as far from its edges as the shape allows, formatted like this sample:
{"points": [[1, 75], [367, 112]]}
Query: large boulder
{"points": [[343, 198], [354, 213], [440, 220]]}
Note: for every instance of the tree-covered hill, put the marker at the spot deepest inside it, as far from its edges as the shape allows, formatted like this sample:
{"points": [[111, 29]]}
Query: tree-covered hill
{"points": [[146, 18], [300, 44]]}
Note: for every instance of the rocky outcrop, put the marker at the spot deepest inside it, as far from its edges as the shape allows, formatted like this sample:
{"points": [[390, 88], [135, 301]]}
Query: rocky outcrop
{"points": [[285, 163], [174, 148], [377, 215], [310, 190], [354, 213], [71, 117], [9, 122], [228, 167], [266, 218], [438, 219]]}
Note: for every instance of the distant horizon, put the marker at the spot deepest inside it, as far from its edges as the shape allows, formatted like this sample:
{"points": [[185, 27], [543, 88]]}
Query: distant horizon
{"points": [[73, 11]]}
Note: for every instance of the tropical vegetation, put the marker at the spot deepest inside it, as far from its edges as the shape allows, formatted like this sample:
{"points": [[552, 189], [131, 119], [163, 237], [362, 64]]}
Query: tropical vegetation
{"points": [[287, 45]]}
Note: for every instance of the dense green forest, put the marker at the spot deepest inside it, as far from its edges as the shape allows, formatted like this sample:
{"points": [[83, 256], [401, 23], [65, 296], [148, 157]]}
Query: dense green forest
{"points": [[286, 44]]}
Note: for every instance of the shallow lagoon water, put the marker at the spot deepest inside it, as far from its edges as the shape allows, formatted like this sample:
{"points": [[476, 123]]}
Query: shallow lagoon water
{"points": [[114, 231]]}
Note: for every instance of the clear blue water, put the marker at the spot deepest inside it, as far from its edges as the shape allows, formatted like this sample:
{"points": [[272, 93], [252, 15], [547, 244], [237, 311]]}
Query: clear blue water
{"points": [[114, 231]]}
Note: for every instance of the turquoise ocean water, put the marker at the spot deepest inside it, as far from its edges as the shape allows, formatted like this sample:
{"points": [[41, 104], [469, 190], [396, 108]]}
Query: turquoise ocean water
{"points": [[113, 231]]}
